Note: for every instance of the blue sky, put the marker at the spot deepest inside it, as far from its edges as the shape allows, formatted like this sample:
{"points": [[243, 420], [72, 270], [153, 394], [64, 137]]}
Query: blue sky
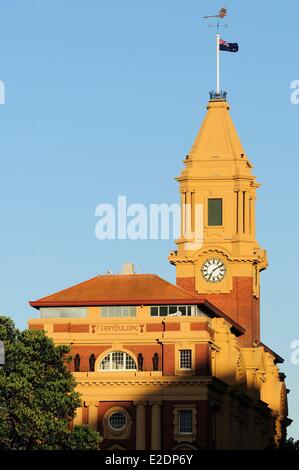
{"points": [[105, 98]]}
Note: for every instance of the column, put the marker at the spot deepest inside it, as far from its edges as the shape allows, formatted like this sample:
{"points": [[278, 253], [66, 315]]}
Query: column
{"points": [[93, 415], [156, 426], [223, 425], [247, 212], [250, 430], [78, 417], [252, 214], [237, 211], [183, 215], [188, 212], [140, 425], [193, 213], [240, 212]]}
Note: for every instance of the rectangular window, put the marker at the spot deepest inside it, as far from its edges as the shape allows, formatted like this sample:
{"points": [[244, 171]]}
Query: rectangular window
{"points": [[185, 421], [214, 212], [185, 359], [172, 310], [119, 311], [182, 310], [154, 311], [175, 310], [163, 311], [63, 312]]}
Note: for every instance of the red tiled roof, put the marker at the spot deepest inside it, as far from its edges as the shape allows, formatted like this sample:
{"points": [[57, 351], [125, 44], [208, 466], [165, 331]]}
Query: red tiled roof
{"points": [[128, 289], [121, 289]]}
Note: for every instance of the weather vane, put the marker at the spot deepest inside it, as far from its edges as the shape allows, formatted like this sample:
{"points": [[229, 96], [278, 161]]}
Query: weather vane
{"points": [[221, 46], [222, 14]]}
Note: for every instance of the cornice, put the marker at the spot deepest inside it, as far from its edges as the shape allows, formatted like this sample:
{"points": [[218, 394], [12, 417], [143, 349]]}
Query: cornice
{"points": [[260, 258], [162, 382]]}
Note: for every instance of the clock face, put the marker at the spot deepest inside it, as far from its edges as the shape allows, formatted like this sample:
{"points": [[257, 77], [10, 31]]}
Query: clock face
{"points": [[213, 270]]}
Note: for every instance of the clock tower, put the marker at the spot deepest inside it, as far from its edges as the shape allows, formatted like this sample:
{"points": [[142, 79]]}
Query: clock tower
{"points": [[218, 256]]}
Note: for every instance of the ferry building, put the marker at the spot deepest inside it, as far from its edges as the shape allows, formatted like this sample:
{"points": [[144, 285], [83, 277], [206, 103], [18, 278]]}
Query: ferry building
{"points": [[164, 366]]}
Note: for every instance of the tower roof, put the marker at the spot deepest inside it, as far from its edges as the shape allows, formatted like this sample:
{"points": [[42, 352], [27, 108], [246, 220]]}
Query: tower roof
{"points": [[217, 137]]}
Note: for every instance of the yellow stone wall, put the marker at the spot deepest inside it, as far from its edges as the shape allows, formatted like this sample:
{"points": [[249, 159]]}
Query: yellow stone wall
{"points": [[244, 388], [217, 167]]}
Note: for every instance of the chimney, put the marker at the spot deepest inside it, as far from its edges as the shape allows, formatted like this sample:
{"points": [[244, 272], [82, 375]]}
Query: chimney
{"points": [[128, 268]]}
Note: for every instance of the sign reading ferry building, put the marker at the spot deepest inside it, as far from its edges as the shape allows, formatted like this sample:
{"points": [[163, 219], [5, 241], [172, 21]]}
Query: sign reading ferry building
{"points": [[116, 328], [149, 356]]}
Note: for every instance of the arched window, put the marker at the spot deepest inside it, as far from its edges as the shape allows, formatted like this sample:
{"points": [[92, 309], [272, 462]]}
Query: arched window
{"points": [[117, 360]]}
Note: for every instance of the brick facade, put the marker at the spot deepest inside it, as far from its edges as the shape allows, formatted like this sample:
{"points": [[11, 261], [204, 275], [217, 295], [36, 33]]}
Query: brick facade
{"points": [[84, 353], [240, 305], [202, 360]]}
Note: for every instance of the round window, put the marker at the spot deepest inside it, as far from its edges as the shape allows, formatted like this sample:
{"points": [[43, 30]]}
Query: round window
{"points": [[117, 421]]}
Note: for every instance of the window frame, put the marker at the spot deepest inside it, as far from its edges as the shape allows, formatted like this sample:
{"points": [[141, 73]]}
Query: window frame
{"points": [[117, 429], [63, 312], [109, 432], [208, 211], [183, 350], [185, 433], [193, 310], [125, 357], [190, 437], [132, 313]]}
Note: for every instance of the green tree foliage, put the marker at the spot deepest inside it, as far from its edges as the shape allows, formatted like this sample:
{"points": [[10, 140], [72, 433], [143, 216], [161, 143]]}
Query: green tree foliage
{"points": [[290, 444], [37, 394]]}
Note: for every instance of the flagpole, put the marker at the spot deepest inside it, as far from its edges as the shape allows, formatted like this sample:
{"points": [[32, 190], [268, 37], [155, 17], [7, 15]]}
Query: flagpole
{"points": [[218, 63], [222, 14]]}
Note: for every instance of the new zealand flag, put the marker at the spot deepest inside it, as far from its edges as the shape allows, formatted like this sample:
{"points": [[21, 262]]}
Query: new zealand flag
{"points": [[228, 46]]}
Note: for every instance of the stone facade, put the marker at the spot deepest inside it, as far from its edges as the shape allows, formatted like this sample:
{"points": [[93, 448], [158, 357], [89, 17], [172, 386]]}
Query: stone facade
{"points": [[236, 394]]}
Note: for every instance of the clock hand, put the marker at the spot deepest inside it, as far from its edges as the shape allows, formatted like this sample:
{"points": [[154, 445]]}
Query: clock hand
{"points": [[217, 267]]}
